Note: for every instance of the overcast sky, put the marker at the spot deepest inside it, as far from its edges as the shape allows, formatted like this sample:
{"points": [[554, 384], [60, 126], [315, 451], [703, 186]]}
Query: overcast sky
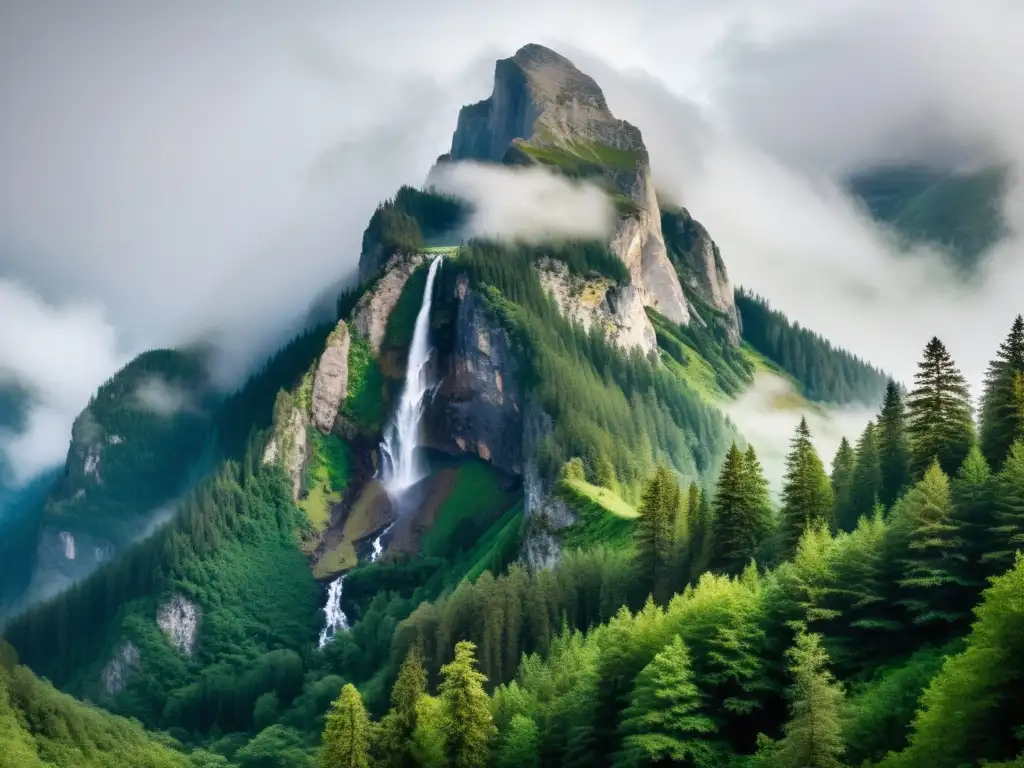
{"points": [[186, 169]]}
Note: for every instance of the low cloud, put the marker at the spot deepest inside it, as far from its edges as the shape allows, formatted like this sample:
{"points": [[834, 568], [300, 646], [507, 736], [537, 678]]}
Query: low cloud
{"points": [[768, 413], [163, 398], [528, 204]]}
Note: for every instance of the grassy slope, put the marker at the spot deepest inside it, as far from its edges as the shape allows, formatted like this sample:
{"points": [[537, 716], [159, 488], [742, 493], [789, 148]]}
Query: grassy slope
{"points": [[326, 479], [604, 518]]}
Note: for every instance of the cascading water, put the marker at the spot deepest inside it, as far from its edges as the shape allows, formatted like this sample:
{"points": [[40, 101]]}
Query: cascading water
{"points": [[401, 469], [337, 621]]}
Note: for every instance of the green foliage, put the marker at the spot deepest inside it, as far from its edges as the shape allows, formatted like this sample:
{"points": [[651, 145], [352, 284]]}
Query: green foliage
{"points": [[602, 402], [705, 357], [867, 480], [520, 747], [275, 747], [327, 474], [894, 455], [346, 740], [970, 710], [664, 721], [363, 403], [467, 724], [573, 470], [412, 218], [813, 736], [601, 519], [741, 515], [824, 373], [844, 467], [395, 738], [939, 421], [806, 493], [1007, 531], [655, 531], [1000, 407]]}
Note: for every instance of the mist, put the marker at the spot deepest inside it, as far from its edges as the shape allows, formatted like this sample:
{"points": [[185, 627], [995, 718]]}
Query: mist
{"points": [[195, 172]]}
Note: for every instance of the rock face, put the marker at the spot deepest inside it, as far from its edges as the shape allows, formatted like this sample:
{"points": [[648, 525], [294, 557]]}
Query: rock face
{"points": [[289, 445], [330, 385], [619, 311], [544, 513], [699, 262], [482, 389], [374, 309], [179, 619], [117, 671], [542, 101]]}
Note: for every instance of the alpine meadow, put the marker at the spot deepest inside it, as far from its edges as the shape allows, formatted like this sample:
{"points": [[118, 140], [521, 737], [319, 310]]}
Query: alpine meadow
{"points": [[531, 481]]}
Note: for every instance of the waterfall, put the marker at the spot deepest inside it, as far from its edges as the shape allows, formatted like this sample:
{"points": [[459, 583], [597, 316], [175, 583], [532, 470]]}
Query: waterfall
{"points": [[337, 621], [378, 547], [400, 467]]}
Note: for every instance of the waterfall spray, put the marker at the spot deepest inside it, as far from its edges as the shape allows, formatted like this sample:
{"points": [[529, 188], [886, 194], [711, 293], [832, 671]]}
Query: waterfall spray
{"points": [[400, 467]]}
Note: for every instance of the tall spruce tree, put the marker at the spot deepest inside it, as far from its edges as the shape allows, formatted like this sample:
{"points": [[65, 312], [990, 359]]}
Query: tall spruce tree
{"points": [[867, 479], [467, 725], [760, 496], [928, 549], [806, 492], [663, 723], [844, 466], [939, 421], [813, 736], [655, 531], [973, 508], [1000, 408], [738, 525], [396, 741], [893, 448], [1007, 532], [346, 740], [700, 544]]}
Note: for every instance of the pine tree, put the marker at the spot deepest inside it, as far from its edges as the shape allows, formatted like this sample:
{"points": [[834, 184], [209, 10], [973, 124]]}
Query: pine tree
{"points": [[760, 497], [520, 747], [843, 467], [468, 727], [738, 515], [973, 508], [604, 473], [663, 722], [346, 740], [655, 531], [939, 421], [893, 448], [1007, 532], [806, 491], [813, 736], [1000, 411], [397, 727], [867, 479], [701, 542], [928, 550]]}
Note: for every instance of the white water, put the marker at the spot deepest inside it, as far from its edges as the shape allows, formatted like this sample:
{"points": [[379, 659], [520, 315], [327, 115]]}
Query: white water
{"points": [[401, 469], [337, 621], [378, 547]]}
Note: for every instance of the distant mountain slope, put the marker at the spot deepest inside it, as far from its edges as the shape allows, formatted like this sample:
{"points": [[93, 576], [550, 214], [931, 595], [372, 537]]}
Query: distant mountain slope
{"points": [[823, 372], [959, 212]]}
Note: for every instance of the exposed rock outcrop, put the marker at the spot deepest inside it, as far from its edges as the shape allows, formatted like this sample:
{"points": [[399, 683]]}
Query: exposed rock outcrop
{"points": [[179, 619], [371, 314], [596, 301], [289, 445], [542, 101], [700, 265], [117, 671], [330, 384], [482, 389], [544, 512]]}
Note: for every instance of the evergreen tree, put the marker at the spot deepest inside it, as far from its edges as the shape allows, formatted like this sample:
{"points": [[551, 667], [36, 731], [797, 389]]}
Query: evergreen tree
{"points": [[939, 421], [738, 515], [1007, 532], [604, 473], [346, 740], [760, 497], [468, 727], [928, 550], [813, 736], [893, 449], [843, 467], [701, 532], [973, 507], [806, 492], [655, 531], [520, 747], [398, 726], [663, 722], [867, 480], [1000, 409]]}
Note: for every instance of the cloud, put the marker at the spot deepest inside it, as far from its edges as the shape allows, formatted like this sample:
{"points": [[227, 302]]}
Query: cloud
{"points": [[189, 171], [528, 204], [163, 398], [768, 413]]}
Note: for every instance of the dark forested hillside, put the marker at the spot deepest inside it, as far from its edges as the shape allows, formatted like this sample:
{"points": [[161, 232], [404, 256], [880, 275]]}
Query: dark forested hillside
{"points": [[823, 372]]}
